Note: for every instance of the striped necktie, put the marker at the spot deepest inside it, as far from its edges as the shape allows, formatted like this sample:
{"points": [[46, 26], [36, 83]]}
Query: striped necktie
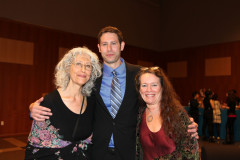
{"points": [[116, 98]]}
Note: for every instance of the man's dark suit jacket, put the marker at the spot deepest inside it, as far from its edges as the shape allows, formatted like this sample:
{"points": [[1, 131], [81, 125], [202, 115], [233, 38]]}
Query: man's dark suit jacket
{"points": [[123, 126]]}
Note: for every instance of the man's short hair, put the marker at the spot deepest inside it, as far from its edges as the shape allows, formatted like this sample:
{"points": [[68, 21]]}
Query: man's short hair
{"points": [[110, 29]]}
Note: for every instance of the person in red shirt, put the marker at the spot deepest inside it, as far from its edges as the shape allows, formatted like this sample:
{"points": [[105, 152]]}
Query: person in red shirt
{"points": [[162, 121]]}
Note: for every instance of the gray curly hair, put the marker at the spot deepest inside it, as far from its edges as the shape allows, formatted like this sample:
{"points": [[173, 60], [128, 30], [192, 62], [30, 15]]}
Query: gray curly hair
{"points": [[62, 70]]}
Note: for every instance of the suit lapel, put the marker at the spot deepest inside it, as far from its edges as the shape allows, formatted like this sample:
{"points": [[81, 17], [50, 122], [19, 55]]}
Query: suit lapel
{"points": [[98, 96], [128, 86]]}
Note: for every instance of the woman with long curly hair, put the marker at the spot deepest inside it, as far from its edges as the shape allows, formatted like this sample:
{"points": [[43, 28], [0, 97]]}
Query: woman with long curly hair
{"points": [[162, 121]]}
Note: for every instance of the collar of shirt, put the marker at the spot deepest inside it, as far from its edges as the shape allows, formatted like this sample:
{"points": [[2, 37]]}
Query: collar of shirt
{"points": [[121, 70]]}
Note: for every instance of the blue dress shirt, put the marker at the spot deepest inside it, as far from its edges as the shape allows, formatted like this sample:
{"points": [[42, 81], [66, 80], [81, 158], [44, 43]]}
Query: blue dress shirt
{"points": [[105, 90]]}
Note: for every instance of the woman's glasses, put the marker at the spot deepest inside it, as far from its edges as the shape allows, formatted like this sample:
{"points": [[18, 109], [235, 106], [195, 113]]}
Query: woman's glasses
{"points": [[81, 65]]}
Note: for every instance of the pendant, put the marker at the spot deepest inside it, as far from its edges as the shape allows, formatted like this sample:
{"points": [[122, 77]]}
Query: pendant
{"points": [[149, 118]]}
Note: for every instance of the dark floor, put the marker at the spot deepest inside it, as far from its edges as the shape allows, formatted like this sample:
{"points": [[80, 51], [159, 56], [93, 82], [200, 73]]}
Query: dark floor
{"points": [[220, 151], [13, 148]]}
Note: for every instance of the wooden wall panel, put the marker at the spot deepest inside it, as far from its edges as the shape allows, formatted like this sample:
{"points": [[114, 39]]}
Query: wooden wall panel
{"points": [[177, 69], [14, 51], [61, 52], [22, 84], [145, 63], [218, 66], [196, 78]]}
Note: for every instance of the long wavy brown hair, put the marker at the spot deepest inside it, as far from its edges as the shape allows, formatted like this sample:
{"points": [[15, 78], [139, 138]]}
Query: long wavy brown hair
{"points": [[171, 107]]}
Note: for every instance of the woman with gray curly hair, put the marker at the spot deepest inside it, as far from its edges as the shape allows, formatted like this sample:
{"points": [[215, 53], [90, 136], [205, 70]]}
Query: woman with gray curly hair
{"points": [[67, 133]]}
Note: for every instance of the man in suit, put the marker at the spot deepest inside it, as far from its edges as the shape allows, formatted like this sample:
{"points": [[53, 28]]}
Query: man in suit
{"points": [[114, 137]]}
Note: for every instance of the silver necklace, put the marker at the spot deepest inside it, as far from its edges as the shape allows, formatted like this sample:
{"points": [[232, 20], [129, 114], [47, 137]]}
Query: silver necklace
{"points": [[150, 117]]}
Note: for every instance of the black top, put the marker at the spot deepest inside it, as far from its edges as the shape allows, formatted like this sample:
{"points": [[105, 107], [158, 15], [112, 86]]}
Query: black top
{"points": [[231, 102], [194, 105], [53, 138], [207, 105], [64, 119], [193, 111]]}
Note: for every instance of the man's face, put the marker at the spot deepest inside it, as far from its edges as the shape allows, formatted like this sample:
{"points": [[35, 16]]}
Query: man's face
{"points": [[110, 48]]}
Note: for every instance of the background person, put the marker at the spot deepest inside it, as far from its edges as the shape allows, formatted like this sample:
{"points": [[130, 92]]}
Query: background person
{"points": [[231, 116], [201, 97], [208, 115], [65, 135], [163, 121], [217, 114], [193, 110]]}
